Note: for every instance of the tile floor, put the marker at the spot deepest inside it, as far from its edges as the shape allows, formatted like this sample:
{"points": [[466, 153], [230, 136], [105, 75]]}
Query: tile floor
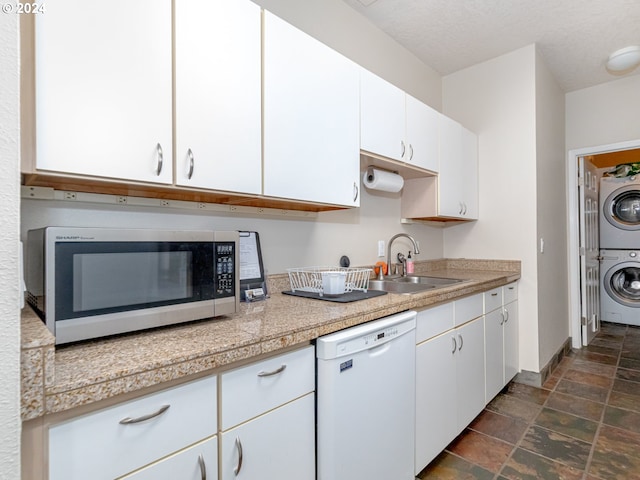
{"points": [[583, 424]]}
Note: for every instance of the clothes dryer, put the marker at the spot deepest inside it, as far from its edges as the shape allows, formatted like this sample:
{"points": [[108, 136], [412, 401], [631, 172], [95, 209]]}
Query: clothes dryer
{"points": [[620, 282], [620, 212]]}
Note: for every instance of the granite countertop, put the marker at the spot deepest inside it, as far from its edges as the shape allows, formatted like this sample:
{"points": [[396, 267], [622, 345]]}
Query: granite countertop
{"points": [[57, 379]]}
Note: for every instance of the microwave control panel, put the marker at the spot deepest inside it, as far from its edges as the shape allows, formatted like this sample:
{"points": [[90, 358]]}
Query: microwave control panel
{"points": [[225, 269]]}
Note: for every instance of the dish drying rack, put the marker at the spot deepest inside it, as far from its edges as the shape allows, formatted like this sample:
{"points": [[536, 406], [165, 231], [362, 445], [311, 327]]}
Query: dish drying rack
{"points": [[309, 279]]}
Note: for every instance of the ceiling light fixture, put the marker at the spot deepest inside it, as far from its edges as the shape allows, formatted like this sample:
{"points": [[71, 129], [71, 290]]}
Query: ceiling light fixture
{"points": [[624, 60]]}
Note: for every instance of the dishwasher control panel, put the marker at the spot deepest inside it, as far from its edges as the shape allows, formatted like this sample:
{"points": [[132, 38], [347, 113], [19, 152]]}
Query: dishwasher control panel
{"points": [[365, 336]]}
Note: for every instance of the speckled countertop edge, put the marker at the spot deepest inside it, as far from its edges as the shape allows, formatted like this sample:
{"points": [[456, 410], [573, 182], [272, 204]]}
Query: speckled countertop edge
{"points": [[58, 379]]}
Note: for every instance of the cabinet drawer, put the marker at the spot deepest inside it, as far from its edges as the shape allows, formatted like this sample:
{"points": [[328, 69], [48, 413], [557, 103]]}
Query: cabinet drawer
{"points": [[434, 321], [194, 463], [252, 390], [492, 299], [468, 308], [510, 292], [98, 445]]}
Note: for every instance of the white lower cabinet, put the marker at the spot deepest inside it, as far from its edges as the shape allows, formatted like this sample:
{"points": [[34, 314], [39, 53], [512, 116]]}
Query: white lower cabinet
{"points": [[470, 371], [277, 444], [501, 338], [268, 418], [118, 440], [199, 462]]}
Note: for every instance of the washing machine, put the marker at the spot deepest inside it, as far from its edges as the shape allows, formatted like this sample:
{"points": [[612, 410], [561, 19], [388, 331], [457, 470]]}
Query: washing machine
{"points": [[620, 281], [620, 212]]}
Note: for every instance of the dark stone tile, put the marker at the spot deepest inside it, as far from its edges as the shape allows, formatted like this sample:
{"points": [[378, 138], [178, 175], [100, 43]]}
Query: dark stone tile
{"points": [[450, 467], [527, 393], [597, 357], [602, 350], [632, 352], [565, 364], [576, 406], [479, 449], [623, 419], [593, 367], [615, 343], [631, 388], [616, 455], [525, 465], [567, 424], [588, 378], [612, 328], [499, 426], [630, 363], [514, 407], [590, 392], [552, 381], [555, 446], [630, 375], [625, 401]]}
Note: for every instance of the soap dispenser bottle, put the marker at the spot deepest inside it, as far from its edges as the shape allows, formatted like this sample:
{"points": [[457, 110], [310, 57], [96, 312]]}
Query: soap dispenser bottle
{"points": [[409, 263]]}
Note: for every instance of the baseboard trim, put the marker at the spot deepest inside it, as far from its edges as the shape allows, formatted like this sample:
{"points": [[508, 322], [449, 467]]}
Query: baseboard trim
{"points": [[536, 379]]}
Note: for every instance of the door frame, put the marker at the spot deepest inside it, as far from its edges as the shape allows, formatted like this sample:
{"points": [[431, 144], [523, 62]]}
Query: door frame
{"points": [[573, 243]]}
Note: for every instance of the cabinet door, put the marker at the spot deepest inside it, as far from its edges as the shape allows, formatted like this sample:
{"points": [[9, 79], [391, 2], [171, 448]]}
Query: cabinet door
{"points": [[277, 445], [422, 134], [511, 339], [382, 117], [469, 174], [311, 118], [470, 371], [103, 89], [218, 95], [494, 353], [436, 401], [194, 463], [449, 168]]}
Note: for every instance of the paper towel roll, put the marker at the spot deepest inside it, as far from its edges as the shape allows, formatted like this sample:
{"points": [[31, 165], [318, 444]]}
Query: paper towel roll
{"points": [[375, 179]]}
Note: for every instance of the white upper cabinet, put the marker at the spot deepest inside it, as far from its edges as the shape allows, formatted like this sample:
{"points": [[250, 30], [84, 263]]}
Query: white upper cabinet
{"points": [[218, 95], [396, 125], [103, 89], [458, 173], [311, 118]]}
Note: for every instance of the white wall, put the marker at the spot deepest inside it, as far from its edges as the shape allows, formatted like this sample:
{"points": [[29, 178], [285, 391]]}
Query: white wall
{"points": [[553, 294], [9, 208], [496, 99], [603, 114]]}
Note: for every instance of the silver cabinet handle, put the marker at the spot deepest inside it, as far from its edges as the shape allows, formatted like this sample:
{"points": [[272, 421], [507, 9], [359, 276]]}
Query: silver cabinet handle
{"points": [[460, 209], [461, 342], [410, 152], [455, 345], [190, 156], [503, 318], [465, 208], [356, 191], [203, 467], [507, 312], [236, 470], [160, 411], [278, 370], [494, 294], [160, 159], [403, 148]]}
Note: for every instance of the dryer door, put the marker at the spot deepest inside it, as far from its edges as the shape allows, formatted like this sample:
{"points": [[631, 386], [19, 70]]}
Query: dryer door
{"points": [[622, 208], [622, 283]]}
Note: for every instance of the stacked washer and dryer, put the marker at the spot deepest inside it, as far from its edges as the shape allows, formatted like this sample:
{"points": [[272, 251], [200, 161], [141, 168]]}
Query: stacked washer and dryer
{"points": [[620, 249]]}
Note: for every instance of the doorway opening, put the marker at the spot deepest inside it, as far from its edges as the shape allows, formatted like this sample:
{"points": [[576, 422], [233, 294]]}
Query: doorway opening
{"points": [[600, 157]]}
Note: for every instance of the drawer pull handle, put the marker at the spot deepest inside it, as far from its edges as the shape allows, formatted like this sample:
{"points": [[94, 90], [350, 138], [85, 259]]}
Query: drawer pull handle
{"points": [[236, 470], [129, 420], [461, 342], [494, 294], [455, 345], [203, 467], [273, 372]]}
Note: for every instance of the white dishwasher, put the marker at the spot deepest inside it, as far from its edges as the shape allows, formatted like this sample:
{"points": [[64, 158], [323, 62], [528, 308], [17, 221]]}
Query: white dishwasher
{"points": [[366, 401]]}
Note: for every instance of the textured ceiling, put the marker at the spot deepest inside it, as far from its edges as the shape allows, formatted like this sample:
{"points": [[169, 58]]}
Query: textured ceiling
{"points": [[574, 37]]}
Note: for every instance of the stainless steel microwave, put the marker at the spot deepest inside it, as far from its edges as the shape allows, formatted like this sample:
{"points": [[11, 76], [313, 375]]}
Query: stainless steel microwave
{"points": [[93, 282]]}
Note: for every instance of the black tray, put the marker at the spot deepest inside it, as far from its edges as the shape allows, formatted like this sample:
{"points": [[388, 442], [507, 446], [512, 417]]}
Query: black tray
{"points": [[343, 298]]}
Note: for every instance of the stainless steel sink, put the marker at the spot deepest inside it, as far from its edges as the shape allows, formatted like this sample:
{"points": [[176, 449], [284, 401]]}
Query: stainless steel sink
{"points": [[427, 280], [411, 283]]}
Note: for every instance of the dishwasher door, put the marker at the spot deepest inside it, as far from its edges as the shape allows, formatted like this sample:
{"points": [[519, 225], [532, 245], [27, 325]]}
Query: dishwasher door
{"points": [[366, 401]]}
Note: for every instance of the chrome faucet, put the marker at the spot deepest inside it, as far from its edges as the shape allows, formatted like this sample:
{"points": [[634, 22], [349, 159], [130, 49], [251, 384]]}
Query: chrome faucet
{"points": [[416, 250]]}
